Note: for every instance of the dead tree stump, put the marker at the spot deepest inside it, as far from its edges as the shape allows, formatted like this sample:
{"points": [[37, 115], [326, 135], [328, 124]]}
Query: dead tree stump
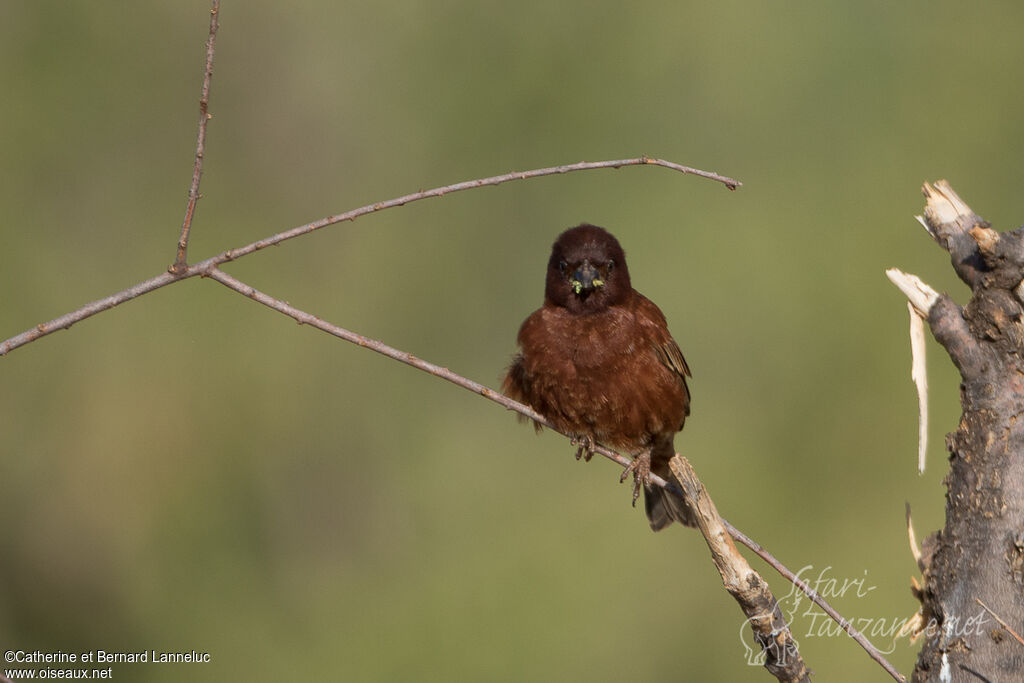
{"points": [[978, 557]]}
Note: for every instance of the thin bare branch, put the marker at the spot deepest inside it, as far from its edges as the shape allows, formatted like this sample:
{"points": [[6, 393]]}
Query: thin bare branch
{"points": [[92, 308], [232, 254], [180, 262], [304, 318]]}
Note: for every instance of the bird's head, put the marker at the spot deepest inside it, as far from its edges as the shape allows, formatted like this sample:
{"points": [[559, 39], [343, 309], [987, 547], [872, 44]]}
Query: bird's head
{"points": [[587, 271]]}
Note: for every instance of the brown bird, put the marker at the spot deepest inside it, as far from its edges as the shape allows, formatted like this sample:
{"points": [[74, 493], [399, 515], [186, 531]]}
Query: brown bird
{"points": [[598, 361]]}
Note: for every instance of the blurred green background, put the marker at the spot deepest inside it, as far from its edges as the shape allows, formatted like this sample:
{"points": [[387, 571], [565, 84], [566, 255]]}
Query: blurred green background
{"points": [[193, 471]]}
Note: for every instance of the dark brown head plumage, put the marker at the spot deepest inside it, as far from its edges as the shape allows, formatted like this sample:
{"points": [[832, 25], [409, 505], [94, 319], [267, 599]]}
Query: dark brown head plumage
{"points": [[598, 361], [587, 271]]}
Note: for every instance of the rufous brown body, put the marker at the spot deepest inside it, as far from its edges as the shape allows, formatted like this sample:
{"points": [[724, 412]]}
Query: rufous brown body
{"points": [[598, 361]]}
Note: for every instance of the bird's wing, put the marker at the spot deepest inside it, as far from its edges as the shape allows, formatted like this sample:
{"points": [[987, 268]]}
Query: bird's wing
{"points": [[652, 322]]}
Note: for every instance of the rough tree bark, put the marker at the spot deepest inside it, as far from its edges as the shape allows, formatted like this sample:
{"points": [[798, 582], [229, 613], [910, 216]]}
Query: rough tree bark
{"points": [[979, 554]]}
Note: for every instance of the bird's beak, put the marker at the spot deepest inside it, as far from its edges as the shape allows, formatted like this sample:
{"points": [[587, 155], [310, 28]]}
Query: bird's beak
{"points": [[586, 278]]}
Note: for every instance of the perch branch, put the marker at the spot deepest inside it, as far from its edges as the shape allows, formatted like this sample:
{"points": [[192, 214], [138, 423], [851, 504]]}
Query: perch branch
{"points": [[197, 169], [782, 658], [201, 268], [304, 318]]}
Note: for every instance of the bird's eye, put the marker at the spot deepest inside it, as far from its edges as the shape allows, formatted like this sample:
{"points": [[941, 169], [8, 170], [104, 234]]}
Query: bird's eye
{"points": [[562, 265], [611, 265]]}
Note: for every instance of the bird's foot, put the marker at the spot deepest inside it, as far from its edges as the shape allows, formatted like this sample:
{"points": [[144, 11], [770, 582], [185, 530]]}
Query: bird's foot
{"points": [[586, 447], [641, 469]]}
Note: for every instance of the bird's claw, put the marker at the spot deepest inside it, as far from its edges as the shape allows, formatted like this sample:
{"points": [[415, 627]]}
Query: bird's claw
{"points": [[641, 470], [586, 447]]}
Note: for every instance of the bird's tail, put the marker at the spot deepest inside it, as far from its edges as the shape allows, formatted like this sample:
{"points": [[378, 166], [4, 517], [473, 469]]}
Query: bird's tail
{"points": [[664, 507]]}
